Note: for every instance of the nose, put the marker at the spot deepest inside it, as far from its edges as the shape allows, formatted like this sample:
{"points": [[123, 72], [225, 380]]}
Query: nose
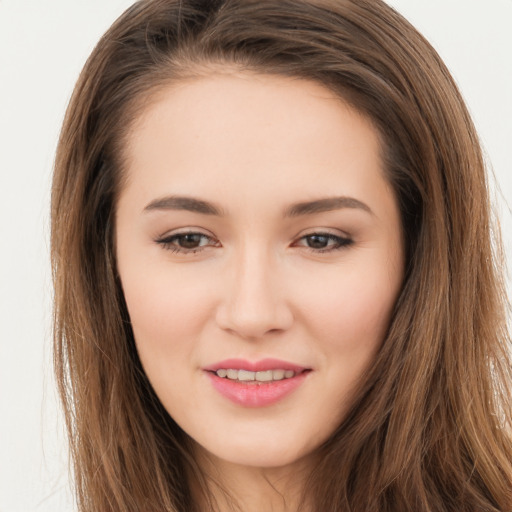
{"points": [[254, 301]]}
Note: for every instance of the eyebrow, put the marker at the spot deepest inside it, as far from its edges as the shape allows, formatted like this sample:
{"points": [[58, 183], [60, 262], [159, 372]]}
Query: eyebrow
{"points": [[325, 205], [190, 204], [195, 205]]}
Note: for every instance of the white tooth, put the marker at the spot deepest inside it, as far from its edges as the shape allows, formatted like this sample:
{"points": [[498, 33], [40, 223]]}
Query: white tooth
{"points": [[232, 374], [246, 375], [278, 374], [288, 374], [222, 373], [265, 376]]}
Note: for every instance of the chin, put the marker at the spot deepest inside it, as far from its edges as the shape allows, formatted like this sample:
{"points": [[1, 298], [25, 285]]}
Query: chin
{"points": [[274, 452]]}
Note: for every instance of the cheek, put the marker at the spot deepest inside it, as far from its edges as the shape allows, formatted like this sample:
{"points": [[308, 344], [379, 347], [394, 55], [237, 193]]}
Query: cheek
{"points": [[168, 314], [165, 308], [348, 321], [351, 311]]}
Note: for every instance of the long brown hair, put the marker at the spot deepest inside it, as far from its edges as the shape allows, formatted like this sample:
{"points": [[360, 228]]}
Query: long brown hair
{"points": [[430, 429]]}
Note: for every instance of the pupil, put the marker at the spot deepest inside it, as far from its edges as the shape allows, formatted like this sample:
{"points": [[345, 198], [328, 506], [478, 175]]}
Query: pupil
{"points": [[190, 241], [318, 241]]}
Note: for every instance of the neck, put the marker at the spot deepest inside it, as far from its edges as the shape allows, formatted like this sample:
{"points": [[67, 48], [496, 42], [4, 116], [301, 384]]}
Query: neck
{"points": [[236, 488]]}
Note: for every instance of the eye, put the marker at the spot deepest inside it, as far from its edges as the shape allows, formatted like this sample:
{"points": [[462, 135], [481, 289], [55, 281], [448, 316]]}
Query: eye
{"points": [[324, 242], [188, 242]]}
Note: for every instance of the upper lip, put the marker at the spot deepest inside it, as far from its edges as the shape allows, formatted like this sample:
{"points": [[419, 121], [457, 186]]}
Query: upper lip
{"points": [[255, 366]]}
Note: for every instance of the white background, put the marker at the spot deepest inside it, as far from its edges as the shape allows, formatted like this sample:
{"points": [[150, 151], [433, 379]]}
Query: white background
{"points": [[43, 45]]}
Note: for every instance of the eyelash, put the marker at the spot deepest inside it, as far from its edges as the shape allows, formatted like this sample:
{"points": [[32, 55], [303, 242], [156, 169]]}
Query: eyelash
{"points": [[168, 242]]}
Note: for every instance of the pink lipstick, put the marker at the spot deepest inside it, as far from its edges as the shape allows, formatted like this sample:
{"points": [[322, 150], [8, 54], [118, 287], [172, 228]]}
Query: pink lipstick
{"points": [[256, 384]]}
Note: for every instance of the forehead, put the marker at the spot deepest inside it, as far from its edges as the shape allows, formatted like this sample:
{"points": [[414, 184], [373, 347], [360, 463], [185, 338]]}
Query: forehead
{"points": [[256, 133]]}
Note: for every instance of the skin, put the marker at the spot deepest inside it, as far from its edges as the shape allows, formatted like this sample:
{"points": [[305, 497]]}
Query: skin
{"points": [[257, 284]]}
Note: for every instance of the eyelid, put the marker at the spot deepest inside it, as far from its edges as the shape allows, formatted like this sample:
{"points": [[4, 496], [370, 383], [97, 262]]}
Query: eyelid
{"points": [[330, 232], [323, 231], [188, 230]]}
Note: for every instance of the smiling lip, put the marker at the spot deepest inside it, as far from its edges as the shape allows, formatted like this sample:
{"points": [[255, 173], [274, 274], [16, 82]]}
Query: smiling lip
{"points": [[256, 366], [256, 394]]}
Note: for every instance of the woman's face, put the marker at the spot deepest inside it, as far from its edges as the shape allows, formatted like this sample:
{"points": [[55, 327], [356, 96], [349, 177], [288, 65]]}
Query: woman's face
{"points": [[260, 253]]}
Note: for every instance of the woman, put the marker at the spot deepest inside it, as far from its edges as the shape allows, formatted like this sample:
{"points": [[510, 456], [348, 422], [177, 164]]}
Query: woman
{"points": [[275, 283]]}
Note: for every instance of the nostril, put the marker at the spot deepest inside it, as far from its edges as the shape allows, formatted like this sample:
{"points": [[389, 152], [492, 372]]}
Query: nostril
{"points": [[251, 326]]}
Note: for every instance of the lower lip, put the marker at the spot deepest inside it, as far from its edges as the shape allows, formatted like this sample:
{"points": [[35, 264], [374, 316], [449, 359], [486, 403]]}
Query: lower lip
{"points": [[258, 394]]}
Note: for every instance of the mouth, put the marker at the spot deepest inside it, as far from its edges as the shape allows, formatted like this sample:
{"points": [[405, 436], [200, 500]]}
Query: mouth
{"points": [[256, 384]]}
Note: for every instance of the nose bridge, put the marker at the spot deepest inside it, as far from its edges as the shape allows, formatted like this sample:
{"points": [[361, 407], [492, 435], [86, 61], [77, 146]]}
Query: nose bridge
{"points": [[254, 302], [254, 273]]}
